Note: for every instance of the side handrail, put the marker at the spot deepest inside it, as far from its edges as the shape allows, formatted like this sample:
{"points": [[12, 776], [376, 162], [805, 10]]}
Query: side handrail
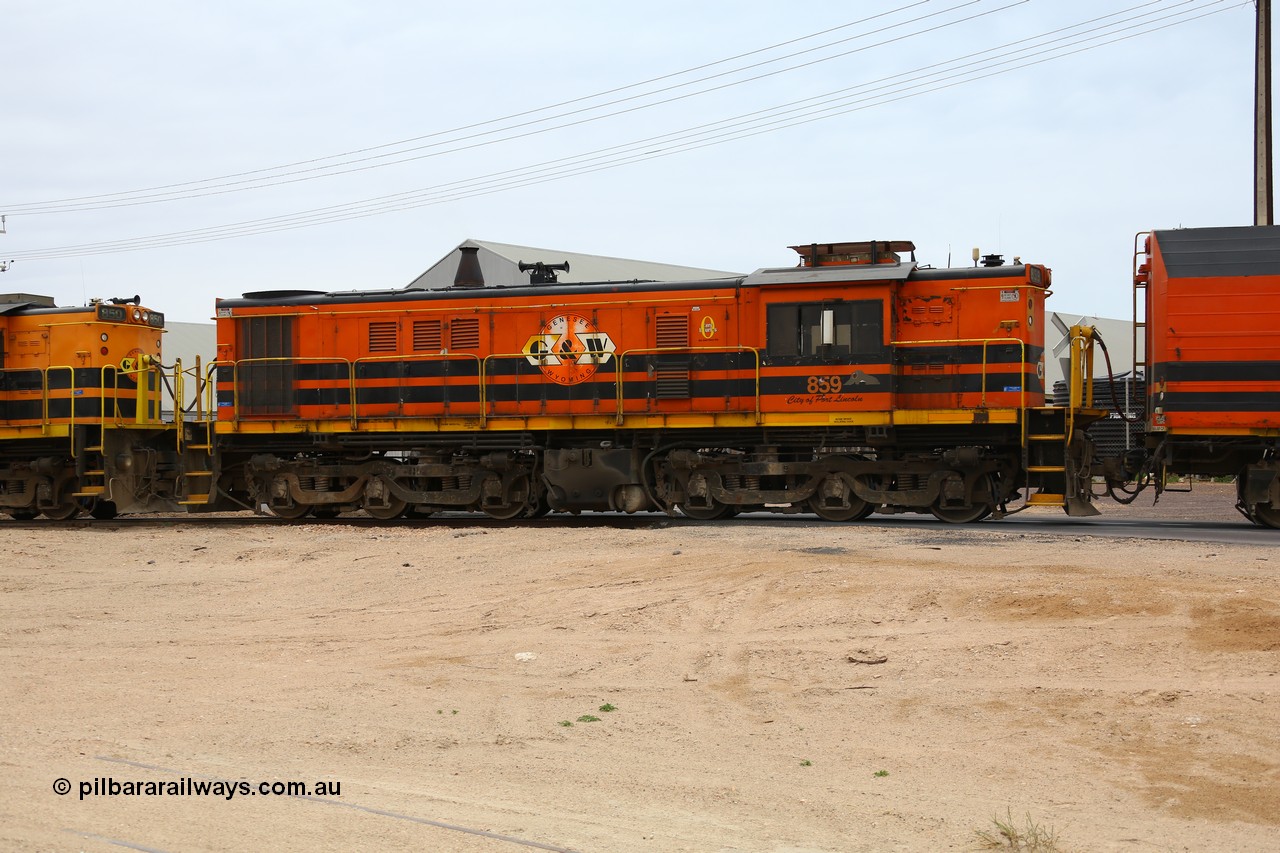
{"points": [[986, 342], [1022, 364], [145, 395], [425, 356], [281, 360], [619, 377]]}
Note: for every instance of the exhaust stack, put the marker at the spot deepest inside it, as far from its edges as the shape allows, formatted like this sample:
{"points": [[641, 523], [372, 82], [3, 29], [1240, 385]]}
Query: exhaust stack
{"points": [[469, 274]]}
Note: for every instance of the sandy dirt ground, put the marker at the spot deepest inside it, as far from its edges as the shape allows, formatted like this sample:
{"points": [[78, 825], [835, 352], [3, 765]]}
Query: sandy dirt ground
{"points": [[778, 685]]}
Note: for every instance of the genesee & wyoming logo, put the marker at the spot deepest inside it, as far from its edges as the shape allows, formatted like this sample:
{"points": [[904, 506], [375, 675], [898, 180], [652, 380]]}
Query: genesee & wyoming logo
{"points": [[569, 349]]}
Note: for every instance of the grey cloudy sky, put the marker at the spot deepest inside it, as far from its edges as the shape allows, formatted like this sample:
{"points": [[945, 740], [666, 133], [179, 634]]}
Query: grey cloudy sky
{"points": [[1012, 126]]}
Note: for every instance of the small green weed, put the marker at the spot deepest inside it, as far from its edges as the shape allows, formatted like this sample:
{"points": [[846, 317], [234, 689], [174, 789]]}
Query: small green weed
{"points": [[606, 707], [566, 723], [880, 774], [588, 718], [806, 763]]}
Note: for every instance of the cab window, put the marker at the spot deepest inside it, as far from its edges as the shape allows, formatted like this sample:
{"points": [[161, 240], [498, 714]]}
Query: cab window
{"points": [[825, 331]]}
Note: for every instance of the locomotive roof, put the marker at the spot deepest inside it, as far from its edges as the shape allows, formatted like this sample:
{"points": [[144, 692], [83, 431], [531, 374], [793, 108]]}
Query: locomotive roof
{"points": [[309, 297], [768, 277], [16, 308], [1241, 250], [15, 303]]}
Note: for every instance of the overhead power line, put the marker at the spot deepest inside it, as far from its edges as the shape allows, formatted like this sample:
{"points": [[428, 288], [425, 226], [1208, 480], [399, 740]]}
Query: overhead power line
{"points": [[1003, 59], [435, 134], [506, 129]]}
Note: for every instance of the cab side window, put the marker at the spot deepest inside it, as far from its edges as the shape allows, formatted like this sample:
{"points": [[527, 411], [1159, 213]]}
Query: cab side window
{"points": [[818, 332]]}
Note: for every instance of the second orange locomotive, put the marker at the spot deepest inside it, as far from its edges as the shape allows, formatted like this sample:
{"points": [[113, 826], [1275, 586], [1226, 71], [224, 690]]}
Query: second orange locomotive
{"points": [[856, 381]]}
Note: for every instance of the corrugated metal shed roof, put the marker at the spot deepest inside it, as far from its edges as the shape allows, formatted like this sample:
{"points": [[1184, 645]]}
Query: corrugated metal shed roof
{"points": [[500, 264]]}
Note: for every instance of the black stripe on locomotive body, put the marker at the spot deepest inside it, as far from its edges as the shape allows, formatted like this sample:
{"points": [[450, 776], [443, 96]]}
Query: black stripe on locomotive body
{"points": [[995, 353], [968, 383], [699, 389], [1216, 371], [1225, 376], [86, 407], [1220, 401], [62, 379], [638, 390]]}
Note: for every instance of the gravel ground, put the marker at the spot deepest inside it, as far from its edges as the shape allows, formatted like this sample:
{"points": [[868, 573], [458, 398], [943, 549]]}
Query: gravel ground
{"points": [[778, 686]]}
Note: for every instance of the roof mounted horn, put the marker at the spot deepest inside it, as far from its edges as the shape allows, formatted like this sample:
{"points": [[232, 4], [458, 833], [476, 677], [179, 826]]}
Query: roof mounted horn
{"points": [[540, 273]]}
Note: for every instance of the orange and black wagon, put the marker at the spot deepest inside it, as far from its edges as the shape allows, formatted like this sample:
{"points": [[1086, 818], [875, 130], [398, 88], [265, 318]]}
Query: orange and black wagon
{"points": [[854, 382], [1207, 331]]}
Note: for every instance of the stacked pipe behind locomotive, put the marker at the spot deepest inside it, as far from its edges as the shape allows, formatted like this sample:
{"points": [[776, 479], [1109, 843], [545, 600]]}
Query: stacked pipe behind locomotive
{"points": [[854, 382], [1211, 302], [80, 420]]}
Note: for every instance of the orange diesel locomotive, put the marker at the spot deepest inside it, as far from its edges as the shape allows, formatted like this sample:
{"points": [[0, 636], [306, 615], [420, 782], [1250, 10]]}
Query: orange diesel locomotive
{"points": [[80, 399], [854, 382]]}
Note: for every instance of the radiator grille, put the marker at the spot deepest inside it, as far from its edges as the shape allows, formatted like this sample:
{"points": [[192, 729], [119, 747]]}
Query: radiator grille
{"points": [[427, 336], [382, 336], [671, 373], [672, 330], [464, 334]]}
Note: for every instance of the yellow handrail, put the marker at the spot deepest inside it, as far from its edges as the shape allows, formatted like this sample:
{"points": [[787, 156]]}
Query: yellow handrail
{"points": [[1022, 363], [621, 356], [443, 356], [235, 374]]}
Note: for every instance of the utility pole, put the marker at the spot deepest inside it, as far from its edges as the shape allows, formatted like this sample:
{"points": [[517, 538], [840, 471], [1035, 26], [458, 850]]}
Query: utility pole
{"points": [[1262, 206]]}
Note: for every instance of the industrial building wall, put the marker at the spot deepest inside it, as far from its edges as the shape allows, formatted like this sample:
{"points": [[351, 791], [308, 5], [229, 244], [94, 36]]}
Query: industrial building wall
{"points": [[185, 341], [1118, 335]]}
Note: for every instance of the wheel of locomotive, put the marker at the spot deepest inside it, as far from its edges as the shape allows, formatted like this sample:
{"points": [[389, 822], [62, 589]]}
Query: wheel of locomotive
{"points": [[1268, 515], [715, 512], [64, 512], [394, 509], [104, 510], [857, 510], [23, 514], [960, 515], [964, 514], [291, 513], [515, 509]]}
